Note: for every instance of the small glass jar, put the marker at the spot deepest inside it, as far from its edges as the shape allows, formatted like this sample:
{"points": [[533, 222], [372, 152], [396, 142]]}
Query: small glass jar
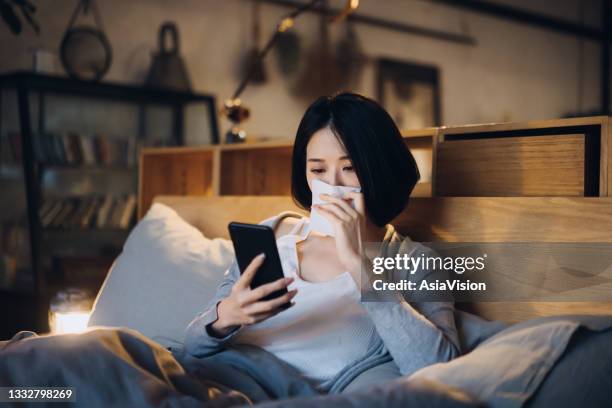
{"points": [[69, 311]]}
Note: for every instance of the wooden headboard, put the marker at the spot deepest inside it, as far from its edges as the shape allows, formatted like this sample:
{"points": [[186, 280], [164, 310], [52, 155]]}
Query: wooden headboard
{"points": [[451, 219]]}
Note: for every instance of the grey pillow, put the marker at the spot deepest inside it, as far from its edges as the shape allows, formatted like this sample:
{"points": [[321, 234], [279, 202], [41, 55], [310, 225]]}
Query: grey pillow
{"points": [[166, 274], [506, 369]]}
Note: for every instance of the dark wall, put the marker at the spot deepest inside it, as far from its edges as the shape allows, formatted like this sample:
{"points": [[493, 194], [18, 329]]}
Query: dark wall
{"points": [[22, 312]]}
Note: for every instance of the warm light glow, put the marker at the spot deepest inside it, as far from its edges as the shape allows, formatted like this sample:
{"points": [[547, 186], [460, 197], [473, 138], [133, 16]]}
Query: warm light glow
{"points": [[349, 7], [285, 24], [71, 322]]}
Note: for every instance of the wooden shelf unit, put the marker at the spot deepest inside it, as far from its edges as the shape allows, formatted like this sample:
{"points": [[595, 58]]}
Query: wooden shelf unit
{"points": [[257, 168], [561, 157]]}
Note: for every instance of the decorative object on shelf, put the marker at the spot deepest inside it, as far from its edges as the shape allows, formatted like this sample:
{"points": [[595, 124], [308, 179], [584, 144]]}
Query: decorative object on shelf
{"points": [[288, 51], [69, 311], [43, 60], [168, 69], [410, 93], [11, 19], [321, 73], [350, 57], [85, 50], [259, 69], [233, 109]]}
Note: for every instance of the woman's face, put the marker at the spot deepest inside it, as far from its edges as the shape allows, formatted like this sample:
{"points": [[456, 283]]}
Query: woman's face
{"points": [[326, 160]]}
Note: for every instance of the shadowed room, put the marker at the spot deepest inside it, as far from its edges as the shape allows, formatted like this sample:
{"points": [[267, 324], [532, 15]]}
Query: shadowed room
{"points": [[306, 203]]}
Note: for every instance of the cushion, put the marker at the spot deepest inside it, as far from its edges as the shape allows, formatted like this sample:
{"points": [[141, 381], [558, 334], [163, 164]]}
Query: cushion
{"points": [[165, 275], [507, 369]]}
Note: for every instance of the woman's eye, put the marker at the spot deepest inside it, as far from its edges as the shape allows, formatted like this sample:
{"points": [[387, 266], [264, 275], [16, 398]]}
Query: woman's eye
{"points": [[317, 171], [348, 168]]}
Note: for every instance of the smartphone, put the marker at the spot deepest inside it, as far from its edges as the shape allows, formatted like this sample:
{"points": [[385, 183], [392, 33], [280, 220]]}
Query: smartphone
{"points": [[251, 240]]}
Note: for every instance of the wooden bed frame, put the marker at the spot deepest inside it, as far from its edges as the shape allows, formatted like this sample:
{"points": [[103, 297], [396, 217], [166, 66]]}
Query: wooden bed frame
{"points": [[451, 219]]}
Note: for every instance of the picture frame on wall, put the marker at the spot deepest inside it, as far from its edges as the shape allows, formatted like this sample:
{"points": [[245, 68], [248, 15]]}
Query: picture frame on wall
{"points": [[410, 92]]}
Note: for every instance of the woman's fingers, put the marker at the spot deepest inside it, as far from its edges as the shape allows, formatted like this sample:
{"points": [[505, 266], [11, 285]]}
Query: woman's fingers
{"points": [[358, 201], [326, 213], [245, 279], [264, 316], [341, 203], [264, 290], [268, 306], [336, 210]]}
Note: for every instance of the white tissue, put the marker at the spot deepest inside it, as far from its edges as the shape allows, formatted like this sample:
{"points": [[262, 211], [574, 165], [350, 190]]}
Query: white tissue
{"points": [[318, 222]]}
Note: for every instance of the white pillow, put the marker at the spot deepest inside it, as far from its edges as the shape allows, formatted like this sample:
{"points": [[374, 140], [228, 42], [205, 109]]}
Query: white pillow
{"points": [[167, 273]]}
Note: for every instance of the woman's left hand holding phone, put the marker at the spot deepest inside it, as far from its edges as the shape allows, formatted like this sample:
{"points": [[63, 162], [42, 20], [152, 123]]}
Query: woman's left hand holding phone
{"points": [[244, 307]]}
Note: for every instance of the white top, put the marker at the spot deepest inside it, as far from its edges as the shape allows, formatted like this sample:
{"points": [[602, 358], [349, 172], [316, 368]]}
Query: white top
{"points": [[327, 328]]}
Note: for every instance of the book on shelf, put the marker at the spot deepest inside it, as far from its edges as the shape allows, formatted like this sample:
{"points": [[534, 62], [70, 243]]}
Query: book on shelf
{"points": [[128, 212], [50, 215], [101, 149], [92, 212], [87, 149], [44, 209], [88, 216], [113, 216], [104, 211], [63, 214], [73, 220], [74, 147]]}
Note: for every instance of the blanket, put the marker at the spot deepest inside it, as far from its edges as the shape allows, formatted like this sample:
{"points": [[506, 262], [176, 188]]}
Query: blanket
{"points": [[121, 367]]}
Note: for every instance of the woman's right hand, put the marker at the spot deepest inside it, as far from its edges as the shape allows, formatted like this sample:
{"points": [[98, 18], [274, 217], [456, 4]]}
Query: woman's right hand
{"points": [[244, 307]]}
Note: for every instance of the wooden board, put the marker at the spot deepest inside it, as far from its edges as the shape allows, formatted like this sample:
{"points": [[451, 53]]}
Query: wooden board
{"points": [[456, 219], [512, 166], [597, 126], [190, 173], [256, 172]]}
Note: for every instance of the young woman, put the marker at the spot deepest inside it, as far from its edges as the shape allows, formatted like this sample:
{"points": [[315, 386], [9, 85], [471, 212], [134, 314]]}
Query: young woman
{"points": [[328, 334]]}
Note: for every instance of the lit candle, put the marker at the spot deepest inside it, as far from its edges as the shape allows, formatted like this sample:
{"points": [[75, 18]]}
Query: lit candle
{"points": [[69, 311]]}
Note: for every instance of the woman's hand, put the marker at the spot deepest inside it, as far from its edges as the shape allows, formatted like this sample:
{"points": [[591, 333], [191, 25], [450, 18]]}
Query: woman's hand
{"points": [[348, 223], [244, 307]]}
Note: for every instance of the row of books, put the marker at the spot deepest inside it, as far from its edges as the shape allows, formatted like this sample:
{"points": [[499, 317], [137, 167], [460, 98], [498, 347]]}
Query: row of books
{"points": [[96, 212], [72, 149], [77, 149]]}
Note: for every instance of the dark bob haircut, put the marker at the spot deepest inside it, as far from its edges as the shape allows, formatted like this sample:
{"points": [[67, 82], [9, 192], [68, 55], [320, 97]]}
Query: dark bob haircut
{"points": [[383, 164]]}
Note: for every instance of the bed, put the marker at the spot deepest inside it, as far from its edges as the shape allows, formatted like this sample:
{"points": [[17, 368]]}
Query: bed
{"points": [[159, 375]]}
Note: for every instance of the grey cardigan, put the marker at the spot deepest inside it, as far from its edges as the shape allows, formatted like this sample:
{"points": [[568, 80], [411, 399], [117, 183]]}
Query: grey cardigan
{"points": [[413, 335]]}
